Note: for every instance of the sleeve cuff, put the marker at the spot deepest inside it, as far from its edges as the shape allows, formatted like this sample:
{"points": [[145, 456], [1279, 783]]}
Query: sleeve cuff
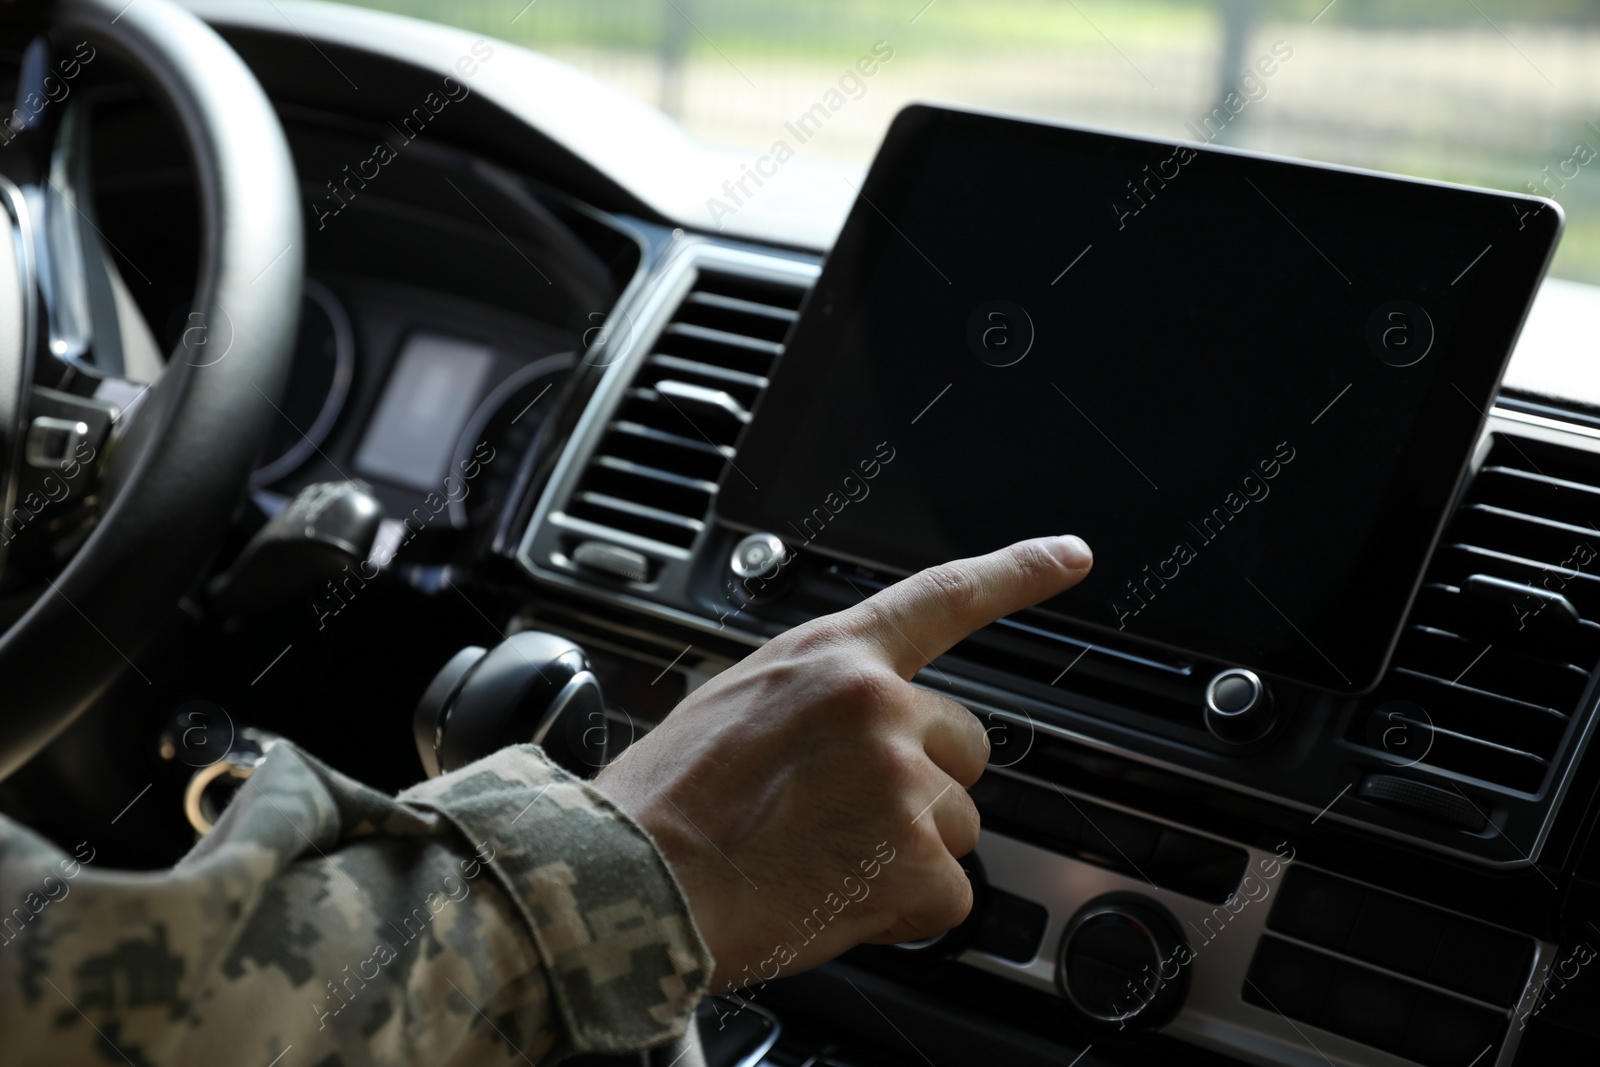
{"points": [[626, 964]]}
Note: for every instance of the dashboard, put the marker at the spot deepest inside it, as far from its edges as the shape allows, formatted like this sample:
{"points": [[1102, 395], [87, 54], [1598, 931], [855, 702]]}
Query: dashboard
{"points": [[1176, 866]]}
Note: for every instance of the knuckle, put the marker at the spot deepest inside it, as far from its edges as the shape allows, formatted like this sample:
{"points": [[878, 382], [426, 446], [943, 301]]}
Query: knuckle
{"points": [[967, 776], [970, 755], [868, 687], [903, 770], [1033, 562], [961, 898], [978, 745], [954, 588], [965, 826], [818, 636], [948, 904]]}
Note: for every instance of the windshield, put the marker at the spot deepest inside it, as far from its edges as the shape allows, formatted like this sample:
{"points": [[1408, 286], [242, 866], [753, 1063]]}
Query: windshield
{"points": [[1489, 92]]}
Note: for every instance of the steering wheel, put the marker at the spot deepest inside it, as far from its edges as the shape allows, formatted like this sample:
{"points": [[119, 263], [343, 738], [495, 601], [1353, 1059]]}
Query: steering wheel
{"points": [[167, 467]]}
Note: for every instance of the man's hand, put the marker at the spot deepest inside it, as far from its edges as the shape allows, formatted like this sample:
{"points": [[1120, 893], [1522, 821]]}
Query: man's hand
{"points": [[810, 798]]}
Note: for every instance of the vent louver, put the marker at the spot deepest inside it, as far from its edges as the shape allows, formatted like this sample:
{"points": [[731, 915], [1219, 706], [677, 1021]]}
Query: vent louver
{"points": [[650, 483], [1501, 645]]}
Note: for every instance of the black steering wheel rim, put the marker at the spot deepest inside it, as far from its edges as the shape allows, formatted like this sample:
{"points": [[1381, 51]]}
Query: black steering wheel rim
{"points": [[176, 473]]}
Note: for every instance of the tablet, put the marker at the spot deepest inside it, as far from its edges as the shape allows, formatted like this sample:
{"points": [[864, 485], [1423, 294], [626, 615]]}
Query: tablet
{"points": [[1253, 385]]}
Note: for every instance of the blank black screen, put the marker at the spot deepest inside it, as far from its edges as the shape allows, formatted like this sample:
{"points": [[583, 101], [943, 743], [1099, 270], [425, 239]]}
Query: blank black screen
{"points": [[1251, 385]]}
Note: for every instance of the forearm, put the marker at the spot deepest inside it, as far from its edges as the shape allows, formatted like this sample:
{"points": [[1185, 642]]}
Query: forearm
{"points": [[453, 924]]}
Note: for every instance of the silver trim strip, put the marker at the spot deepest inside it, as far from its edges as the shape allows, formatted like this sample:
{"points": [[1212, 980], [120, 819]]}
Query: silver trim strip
{"points": [[578, 681]]}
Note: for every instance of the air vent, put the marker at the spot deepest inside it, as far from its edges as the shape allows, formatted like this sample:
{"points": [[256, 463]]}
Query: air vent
{"points": [[650, 482], [1496, 660]]}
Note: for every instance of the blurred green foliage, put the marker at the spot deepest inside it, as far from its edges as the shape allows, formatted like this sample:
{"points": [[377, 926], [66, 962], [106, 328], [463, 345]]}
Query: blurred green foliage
{"points": [[758, 26], [769, 26], [1445, 12]]}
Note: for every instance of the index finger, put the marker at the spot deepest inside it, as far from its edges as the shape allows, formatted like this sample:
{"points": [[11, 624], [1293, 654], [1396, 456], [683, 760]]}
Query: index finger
{"points": [[917, 620]]}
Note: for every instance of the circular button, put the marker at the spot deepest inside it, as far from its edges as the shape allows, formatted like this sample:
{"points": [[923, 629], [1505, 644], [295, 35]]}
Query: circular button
{"points": [[1121, 964], [758, 556], [1239, 707], [1234, 693]]}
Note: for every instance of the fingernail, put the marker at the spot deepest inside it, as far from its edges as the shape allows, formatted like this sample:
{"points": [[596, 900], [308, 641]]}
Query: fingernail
{"points": [[1073, 552]]}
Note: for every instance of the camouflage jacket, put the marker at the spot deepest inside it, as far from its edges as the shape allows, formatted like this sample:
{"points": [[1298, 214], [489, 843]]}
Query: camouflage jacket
{"points": [[505, 913]]}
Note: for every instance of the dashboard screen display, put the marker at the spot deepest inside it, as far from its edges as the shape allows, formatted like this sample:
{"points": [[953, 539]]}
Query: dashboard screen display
{"points": [[1251, 385], [436, 383]]}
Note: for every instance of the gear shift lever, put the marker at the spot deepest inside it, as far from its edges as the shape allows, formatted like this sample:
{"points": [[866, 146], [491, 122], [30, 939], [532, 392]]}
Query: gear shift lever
{"points": [[530, 687]]}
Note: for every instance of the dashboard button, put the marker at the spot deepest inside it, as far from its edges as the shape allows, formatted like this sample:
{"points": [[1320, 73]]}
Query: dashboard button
{"points": [[757, 564], [1050, 813], [758, 556], [1011, 927], [1122, 838], [1481, 961], [1196, 866], [995, 797], [1316, 907], [1419, 798], [1289, 979], [1396, 934], [1239, 707], [1234, 693], [625, 563], [1446, 1033], [1368, 1006]]}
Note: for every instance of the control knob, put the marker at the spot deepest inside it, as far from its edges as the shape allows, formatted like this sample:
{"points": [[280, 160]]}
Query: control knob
{"points": [[1123, 965], [756, 567], [1239, 707]]}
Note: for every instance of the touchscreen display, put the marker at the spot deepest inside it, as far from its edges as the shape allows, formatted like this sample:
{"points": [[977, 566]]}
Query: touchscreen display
{"points": [[1251, 385]]}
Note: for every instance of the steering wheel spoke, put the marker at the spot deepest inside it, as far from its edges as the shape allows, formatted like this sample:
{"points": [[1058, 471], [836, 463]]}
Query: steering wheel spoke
{"points": [[27, 133], [59, 397], [57, 493]]}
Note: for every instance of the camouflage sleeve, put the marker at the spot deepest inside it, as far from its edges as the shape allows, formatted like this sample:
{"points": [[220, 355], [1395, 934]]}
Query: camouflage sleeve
{"points": [[505, 913]]}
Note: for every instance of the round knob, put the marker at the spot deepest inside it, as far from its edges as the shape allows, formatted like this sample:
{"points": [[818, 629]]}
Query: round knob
{"points": [[1239, 707], [1122, 964], [757, 564]]}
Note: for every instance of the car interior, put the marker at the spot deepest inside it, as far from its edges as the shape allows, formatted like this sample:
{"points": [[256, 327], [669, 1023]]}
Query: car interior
{"points": [[408, 380]]}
